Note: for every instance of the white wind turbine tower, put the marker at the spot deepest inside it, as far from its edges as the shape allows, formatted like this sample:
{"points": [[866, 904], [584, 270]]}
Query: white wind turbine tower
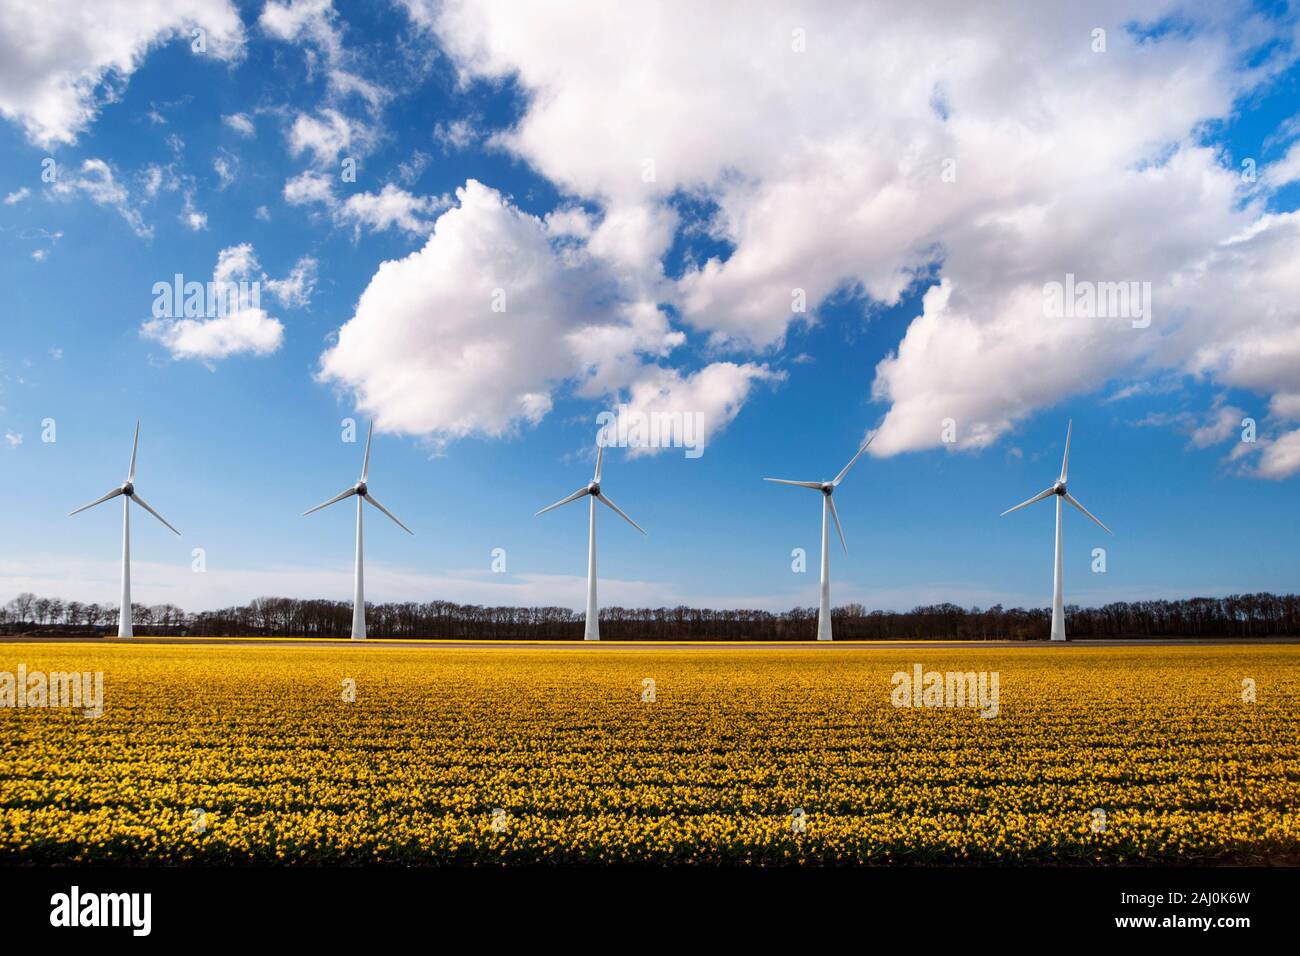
{"points": [[1058, 489], [827, 488], [592, 490], [362, 491], [128, 494]]}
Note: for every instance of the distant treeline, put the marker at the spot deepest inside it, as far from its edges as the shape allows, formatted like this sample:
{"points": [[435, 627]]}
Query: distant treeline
{"points": [[1239, 615]]}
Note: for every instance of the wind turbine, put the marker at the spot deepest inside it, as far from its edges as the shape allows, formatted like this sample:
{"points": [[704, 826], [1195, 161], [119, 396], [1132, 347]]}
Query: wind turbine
{"points": [[1058, 489], [128, 494], [592, 490], [362, 491], [827, 488]]}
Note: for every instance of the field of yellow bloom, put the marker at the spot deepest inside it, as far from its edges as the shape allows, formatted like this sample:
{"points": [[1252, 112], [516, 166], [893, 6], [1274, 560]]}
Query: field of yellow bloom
{"points": [[753, 755]]}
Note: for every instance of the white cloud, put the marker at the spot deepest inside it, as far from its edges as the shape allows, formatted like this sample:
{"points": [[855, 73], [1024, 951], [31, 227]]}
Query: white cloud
{"points": [[326, 135], [1285, 170], [157, 179], [1136, 389], [153, 177], [191, 216], [244, 328], [826, 169], [409, 171], [17, 196], [248, 330], [391, 206], [455, 135], [329, 132], [309, 187], [303, 21], [13, 438], [1280, 458], [569, 222], [97, 181], [235, 263], [314, 24], [295, 21], [691, 409], [1213, 427], [342, 82], [426, 352], [241, 123], [1285, 406], [1224, 422], [226, 166], [295, 290], [60, 60]]}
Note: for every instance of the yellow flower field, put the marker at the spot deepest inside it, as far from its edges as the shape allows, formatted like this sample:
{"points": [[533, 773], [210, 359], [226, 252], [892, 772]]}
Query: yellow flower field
{"points": [[250, 753]]}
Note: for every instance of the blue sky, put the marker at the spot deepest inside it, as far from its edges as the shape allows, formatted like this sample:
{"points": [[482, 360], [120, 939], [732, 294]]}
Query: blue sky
{"points": [[496, 149]]}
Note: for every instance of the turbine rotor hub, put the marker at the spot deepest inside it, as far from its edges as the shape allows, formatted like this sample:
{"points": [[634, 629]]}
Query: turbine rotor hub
{"points": [[827, 488], [1059, 488], [361, 488], [593, 488], [128, 489]]}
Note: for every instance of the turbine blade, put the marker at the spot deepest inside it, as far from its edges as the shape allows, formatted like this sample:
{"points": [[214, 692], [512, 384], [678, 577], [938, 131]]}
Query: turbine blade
{"points": [[1025, 504], [325, 504], [600, 456], [135, 444], [372, 500], [1065, 462], [145, 505], [619, 511], [797, 484], [836, 515], [365, 462], [564, 501], [98, 501], [853, 461], [1071, 499]]}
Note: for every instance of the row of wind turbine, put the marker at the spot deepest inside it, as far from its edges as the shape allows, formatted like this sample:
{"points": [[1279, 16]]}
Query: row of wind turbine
{"points": [[827, 489], [593, 491], [361, 490]]}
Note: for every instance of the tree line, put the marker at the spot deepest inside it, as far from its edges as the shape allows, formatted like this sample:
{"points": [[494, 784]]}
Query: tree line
{"points": [[1237, 615]]}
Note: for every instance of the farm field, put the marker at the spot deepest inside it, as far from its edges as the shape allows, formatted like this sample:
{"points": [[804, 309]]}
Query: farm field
{"points": [[251, 754]]}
